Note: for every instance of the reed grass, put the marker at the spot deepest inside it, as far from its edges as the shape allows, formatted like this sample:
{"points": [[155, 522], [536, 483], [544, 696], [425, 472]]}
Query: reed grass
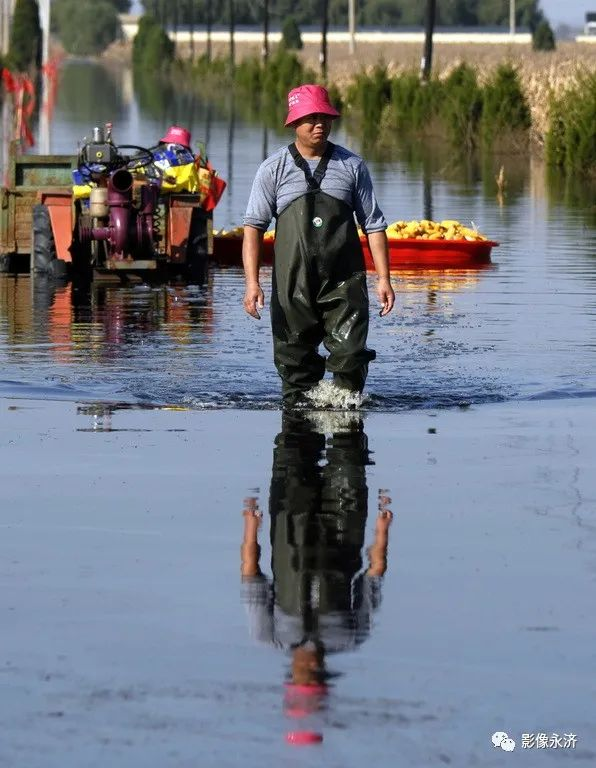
{"points": [[571, 137], [501, 100]]}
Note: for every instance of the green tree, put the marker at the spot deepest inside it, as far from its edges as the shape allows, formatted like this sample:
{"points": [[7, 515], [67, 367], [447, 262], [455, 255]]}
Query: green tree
{"points": [[505, 107], [380, 12], [461, 105], [25, 36], [152, 49], [338, 13], [85, 27], [457, 13], [543, 38], [146, 24], [167, 12], [377, 13], [290, 34], [122, 6], [527, 13]]}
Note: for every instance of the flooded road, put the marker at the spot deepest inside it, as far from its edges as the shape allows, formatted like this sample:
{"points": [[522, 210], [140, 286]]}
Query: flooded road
{"points": [[191, 578], [521, 329]]}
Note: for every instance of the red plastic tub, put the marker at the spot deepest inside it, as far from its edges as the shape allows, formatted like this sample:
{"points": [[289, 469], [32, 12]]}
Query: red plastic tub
{"points": [[403, 254], [435, 254]]}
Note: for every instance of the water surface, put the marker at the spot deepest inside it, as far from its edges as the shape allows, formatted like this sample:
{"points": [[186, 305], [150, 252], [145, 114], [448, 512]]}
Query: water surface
{"points": [[129, 638], [523, 328]]}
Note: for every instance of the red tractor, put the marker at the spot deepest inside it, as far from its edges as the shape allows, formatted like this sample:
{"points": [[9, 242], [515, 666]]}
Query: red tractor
{"points": [[116, 218]]}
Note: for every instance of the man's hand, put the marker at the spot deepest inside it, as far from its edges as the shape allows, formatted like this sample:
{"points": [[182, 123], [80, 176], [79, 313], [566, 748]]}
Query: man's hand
{"points": [[386, 295], [252, 243], [379, 250], [250, 550], [254, 300]]}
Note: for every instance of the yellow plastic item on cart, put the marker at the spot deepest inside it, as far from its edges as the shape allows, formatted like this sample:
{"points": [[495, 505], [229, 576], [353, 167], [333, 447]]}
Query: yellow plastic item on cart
{"points": [[182, 178], [81, 191]]}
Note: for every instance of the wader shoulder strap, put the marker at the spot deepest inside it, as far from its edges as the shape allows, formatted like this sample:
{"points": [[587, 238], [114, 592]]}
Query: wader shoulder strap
{"points": [[312, 179]]}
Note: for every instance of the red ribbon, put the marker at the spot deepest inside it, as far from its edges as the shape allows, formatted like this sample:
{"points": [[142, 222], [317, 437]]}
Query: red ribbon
{"points": [[23, 90]]}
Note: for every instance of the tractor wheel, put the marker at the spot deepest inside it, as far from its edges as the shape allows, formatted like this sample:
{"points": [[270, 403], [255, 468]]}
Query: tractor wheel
{"points": [[43, 248]]}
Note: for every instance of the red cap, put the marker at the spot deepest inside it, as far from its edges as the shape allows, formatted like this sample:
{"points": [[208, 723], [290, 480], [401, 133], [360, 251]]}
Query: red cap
{"points": [[176, 135], [308, 100], [300, 738]]}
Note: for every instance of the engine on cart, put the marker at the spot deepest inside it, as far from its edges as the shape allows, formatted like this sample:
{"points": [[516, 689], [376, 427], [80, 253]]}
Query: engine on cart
{"points": [[127, 210], [101, 150], [119, 220]]}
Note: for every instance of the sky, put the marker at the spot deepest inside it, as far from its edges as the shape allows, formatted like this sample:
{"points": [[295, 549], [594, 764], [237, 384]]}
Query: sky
{"points": [[571, 12]]}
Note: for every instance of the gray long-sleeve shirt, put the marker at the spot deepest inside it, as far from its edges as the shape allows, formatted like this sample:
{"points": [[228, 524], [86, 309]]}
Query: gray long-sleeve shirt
{"points": [[279, 182]]}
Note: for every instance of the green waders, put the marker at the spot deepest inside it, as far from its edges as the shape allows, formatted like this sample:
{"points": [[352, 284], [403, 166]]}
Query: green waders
{"points": [[319, 291], [318, 519]]}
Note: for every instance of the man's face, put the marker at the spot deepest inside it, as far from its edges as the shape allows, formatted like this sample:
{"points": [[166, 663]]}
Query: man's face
{"points": [[313, 130]]}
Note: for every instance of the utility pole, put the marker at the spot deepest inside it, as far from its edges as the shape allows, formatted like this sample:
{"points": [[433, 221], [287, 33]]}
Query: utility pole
{"points": [[191, 28], [512, 18], [232, 31], [175, 22], [265, 49], [427, 57], [209, 21], [323, 53], [44, 114], [352, 26]]}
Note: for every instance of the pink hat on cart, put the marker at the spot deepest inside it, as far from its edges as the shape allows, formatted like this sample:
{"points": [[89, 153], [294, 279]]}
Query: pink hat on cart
{"points": [[176, 135], [309, 100]]}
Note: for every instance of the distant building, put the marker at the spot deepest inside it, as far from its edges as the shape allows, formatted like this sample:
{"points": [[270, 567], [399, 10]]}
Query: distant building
{"points": [[589, 35]]}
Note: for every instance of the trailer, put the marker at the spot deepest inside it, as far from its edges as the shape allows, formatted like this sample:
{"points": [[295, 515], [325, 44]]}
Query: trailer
{"points": [[127, 226]]}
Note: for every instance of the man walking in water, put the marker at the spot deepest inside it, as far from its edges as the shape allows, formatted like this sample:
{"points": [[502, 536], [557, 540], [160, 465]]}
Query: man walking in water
{"points": [[313, 189]]}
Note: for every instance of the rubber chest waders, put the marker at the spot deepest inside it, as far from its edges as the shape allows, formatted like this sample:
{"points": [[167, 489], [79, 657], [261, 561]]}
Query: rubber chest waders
{"points": [[319, 291], [318, 503]]}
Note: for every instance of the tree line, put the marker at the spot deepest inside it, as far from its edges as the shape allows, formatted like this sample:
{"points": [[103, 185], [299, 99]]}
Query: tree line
{"points": [[87, 27], [83, 26], [376, 13]]}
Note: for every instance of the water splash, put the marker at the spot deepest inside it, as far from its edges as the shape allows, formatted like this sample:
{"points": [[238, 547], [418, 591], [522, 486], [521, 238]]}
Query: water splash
{"points": [[327, 395], [334, 422]]}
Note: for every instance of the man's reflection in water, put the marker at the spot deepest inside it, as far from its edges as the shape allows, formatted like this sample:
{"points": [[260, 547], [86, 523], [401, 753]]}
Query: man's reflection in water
{"points": [[320, 598]]}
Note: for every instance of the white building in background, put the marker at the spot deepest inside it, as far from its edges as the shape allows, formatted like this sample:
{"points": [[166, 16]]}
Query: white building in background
{"points": [[589, 35]]}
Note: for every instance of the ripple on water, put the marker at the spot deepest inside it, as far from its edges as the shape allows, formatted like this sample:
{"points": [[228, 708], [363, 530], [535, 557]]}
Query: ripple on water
{"points": [[523, 328]]}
